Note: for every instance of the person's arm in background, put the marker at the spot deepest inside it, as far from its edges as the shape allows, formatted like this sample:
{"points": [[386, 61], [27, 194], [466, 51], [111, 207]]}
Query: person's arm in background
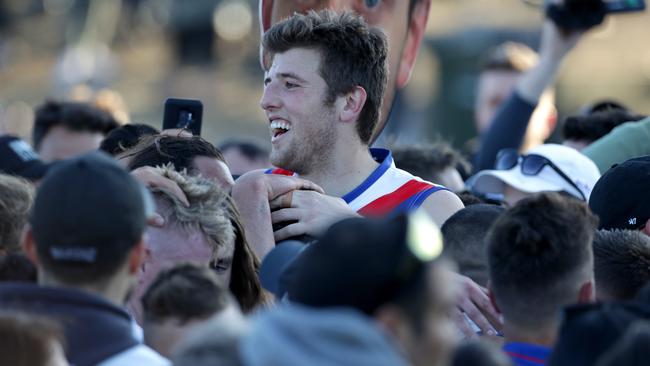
{"points": [[508, 128], [626, 141]]}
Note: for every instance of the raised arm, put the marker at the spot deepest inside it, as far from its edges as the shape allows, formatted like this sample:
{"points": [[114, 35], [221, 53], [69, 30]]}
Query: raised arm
{"points": [[509, 125]]}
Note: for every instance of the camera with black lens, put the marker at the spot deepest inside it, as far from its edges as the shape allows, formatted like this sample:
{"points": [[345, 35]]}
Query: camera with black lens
{"points": [[584, 14]]}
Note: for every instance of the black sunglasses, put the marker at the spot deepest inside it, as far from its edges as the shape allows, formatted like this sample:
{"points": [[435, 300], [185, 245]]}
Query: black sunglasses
{"points": [[531, 165]]}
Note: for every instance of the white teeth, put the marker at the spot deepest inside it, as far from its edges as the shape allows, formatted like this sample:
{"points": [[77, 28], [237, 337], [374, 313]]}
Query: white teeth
{"points": [[280, 124]]}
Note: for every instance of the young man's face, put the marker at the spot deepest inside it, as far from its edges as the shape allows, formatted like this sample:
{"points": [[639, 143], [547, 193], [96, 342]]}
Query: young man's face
{"points": [[433, 344], [392, 16], [302, 127], [61, 143], [494, 88], [169, 246]]}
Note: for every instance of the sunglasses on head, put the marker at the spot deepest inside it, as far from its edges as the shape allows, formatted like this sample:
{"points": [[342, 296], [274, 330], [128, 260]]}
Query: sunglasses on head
{"points": [[531, 165]]}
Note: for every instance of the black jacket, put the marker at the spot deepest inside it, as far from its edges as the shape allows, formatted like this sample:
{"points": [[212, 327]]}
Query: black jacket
{"points": [[94, 328]]}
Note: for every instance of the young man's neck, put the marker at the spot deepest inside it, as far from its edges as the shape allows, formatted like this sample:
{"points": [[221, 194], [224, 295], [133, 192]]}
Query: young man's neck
{"points": [[541, 336], [114, 291], [347, 166]]}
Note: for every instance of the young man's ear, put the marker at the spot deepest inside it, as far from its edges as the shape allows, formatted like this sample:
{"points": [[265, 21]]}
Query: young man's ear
{"points": [[587, 293], [416, 28], [137, 256], [29, 245], [353, 103], [646, 228]]}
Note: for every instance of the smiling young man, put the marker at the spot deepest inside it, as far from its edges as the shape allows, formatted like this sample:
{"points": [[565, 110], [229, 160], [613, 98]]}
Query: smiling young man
{"points": [[323, 91], [324, 86]]}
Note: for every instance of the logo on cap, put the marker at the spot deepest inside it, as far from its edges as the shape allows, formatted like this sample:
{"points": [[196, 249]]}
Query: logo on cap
{"points": [[632, 221], [75, 254], [23, 150]]}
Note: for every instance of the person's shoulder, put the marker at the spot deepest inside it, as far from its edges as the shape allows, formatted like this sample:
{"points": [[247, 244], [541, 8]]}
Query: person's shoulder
{"points": [[443, 196], [137, 355], [441, 205]]}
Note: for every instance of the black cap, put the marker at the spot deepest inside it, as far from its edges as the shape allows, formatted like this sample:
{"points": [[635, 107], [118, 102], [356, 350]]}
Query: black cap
{"points": [[361, 263], [589, 330], [275, 263], [18, 158], [621, 198], [88, 211]]}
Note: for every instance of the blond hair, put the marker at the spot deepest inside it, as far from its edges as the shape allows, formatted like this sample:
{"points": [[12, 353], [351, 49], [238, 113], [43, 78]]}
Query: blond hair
{"points": [[212, 212], [16, 199], [207, 211]]}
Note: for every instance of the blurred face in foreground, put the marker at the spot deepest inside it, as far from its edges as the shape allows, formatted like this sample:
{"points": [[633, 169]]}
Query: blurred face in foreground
{"points": [[392, 16], [434, 346], [429, 339]]}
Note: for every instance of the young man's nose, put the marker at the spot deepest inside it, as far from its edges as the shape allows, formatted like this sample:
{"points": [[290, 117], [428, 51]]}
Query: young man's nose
{"points": [[269, 99]]}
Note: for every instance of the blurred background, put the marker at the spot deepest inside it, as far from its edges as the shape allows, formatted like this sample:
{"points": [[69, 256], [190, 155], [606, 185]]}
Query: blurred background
{"points": [[132, 54]]}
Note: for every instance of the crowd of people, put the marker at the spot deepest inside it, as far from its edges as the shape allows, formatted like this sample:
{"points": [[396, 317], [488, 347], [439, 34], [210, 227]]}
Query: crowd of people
{"points": [[124, 245]]}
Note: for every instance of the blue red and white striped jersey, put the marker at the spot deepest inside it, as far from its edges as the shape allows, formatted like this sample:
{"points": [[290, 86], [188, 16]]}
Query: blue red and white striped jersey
{"points": [[388, 190], [525, 354]]}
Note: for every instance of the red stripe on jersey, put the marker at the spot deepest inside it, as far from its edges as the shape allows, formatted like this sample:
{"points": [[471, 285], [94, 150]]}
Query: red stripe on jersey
{"points": [[386, 203], [282, 172], [526, 358]]}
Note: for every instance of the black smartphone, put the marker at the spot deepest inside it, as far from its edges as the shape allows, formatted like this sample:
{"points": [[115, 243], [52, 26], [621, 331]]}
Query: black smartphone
{"points": [[185, 114], [619, 6]]}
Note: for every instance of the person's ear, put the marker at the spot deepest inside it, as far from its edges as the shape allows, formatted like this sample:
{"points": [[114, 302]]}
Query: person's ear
{"points": [[393, 320], [28, 244], [353, 103], [587, 293], [416, 28], [646, 228], [137, 256]]}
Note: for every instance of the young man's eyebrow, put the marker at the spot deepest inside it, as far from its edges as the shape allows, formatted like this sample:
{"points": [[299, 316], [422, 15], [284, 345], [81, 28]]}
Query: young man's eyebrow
{"points": [[291, 75], [284, 75]]}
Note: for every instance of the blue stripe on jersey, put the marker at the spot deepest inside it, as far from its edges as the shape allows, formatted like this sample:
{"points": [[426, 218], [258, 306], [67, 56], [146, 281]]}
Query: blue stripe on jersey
{"points": [[414, 202], [386, 159]]}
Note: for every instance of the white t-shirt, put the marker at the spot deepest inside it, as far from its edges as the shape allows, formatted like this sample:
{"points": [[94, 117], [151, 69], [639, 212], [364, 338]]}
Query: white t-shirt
{"points": [[136, 356]]}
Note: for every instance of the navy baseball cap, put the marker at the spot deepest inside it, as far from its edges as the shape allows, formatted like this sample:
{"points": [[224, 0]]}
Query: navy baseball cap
{"points": [[18, 158], [89, 211], [365, 263], [274, 271]]}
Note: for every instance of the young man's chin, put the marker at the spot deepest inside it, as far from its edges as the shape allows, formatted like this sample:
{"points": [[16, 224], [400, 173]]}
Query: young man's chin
{"points": [[277, 159]]}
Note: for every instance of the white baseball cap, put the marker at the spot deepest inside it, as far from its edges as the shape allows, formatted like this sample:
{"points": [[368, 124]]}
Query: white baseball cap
{"points": [[580, 169]]}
